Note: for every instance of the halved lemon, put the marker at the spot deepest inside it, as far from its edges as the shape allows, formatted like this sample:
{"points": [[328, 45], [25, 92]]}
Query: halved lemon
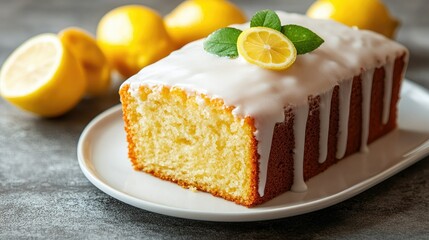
{"points": [[42, 77], [266, 48]]}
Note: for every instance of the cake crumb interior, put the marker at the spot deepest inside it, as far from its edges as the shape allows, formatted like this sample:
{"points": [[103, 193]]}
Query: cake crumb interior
{"points": [[192, 140]]}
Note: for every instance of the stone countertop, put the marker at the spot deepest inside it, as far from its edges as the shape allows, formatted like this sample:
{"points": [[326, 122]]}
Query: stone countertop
{"points": [[43, 193]]}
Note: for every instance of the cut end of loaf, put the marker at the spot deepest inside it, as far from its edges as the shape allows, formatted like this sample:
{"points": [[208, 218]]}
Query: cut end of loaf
{"points": [[195, 141]]}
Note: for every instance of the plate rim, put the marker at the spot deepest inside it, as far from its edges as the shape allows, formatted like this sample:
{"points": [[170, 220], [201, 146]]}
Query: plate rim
{"points": [[254, 214]]}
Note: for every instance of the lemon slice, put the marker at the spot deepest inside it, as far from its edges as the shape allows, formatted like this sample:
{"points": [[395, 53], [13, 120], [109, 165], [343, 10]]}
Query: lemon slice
{"points": [[42, 77], [94, 63], [266, 48]]}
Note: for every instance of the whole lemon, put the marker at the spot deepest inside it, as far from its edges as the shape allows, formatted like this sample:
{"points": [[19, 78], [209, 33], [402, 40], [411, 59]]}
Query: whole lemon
{"points": [[195, 19], [364, 14], [133, 37], [91, 58]]}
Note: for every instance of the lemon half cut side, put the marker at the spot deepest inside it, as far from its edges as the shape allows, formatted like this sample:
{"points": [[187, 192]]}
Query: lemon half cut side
{"points": [[43, 77]]}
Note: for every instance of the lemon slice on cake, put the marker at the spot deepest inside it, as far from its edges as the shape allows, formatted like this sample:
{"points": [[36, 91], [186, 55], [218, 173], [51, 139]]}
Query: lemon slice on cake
{"points": [[266, 48], [42, 77]]}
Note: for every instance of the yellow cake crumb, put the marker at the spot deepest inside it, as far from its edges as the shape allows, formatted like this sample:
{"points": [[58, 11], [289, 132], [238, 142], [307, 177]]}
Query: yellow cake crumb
{"points": [[194, 141]]}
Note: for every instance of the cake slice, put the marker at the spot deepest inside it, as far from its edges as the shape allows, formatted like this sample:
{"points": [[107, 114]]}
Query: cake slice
{"points": [[247, 134]]}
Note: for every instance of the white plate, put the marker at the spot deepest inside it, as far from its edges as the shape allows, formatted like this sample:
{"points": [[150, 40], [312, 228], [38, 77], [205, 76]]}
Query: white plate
{"points": [[102, 155]]}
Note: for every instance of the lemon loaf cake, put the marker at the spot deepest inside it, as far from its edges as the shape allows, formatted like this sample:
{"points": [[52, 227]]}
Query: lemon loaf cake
{"points": [[248, 134]]}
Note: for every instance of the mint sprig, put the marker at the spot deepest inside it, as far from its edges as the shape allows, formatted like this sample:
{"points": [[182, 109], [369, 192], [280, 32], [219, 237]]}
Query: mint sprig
{"points": [[266, 18], [304, 39], [223, 42]]}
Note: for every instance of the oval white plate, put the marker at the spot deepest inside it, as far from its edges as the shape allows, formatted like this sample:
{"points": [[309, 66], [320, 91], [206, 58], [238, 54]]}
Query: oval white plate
{"points": [[102, 154]]}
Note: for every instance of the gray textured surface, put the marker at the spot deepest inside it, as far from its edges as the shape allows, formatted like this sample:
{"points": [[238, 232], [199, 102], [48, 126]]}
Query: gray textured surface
{"points": [[43, 193]]}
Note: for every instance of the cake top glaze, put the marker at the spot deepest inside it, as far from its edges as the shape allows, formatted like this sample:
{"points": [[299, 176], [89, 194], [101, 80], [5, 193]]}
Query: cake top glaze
{"points": [[258, 92]]}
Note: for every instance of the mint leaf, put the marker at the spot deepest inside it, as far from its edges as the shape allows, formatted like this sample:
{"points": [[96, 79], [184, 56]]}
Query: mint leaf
{"points": [[223, 42], [266, 18], [304, 39]]}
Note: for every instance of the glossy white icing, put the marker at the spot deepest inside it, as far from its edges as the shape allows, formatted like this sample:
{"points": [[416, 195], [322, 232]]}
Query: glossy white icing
{"points": [[299, 126], [345, 90], [367, 78], [264, 135], [388, 81], [325, 114], [263, 94]]}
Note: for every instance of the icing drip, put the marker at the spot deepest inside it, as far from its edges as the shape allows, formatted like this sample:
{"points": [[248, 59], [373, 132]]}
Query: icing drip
{"points": [[325, 113], [264, 136], [344, 112], [388, 81], [299, 126], [367, 78]]}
